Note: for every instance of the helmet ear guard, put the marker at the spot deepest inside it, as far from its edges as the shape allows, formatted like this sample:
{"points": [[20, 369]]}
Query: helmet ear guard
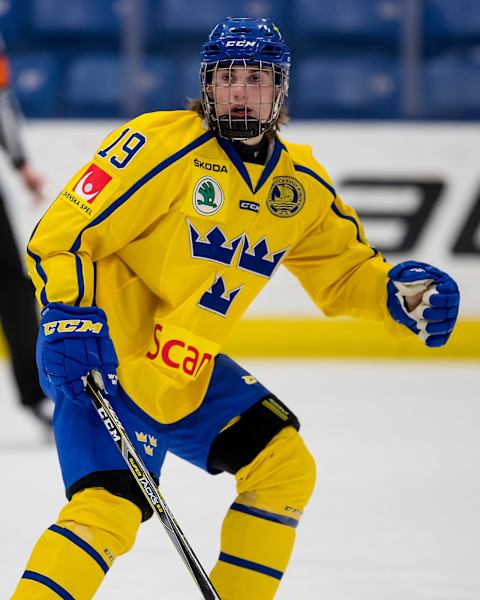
{"points": [[237, 43]]}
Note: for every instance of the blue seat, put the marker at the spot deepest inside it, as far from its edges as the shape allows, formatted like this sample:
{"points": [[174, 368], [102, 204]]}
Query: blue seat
{"points": [[337, 20], [448, 22], [97, 86], [72, 17], [345, 87], [187, 17], [190, 82], [451, 86], [36, 80], [15, 24]]}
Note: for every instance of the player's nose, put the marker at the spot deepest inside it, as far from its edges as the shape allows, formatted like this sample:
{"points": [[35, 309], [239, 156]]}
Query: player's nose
{"points": [[239, 91]]}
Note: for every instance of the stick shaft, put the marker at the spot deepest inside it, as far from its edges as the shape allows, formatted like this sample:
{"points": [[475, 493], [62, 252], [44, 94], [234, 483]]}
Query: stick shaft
{"points": [[150, 489]]}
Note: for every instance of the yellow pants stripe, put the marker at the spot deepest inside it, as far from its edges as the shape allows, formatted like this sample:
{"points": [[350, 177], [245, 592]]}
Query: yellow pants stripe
{"points": [[264, 514], [59, 568], [74, 538], [248, 564], [49, 583]]}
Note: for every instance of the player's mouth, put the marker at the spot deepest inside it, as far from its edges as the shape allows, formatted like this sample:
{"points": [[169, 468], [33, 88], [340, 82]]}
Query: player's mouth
{"points": [[240, 112]]}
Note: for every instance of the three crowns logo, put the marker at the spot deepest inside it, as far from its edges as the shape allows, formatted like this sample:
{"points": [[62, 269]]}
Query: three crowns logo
{"points": [[149, 442]]}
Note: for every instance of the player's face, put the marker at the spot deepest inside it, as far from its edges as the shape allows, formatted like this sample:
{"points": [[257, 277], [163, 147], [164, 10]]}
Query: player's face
{"points": [[243, 92]]}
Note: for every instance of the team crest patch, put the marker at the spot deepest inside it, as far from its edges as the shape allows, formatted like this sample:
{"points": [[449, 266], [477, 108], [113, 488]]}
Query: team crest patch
{"points": [[286, 197], [207, 196]]}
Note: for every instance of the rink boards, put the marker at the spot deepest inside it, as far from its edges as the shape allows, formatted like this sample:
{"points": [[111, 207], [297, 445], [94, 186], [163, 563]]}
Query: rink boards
{"points": [[416, 188]]}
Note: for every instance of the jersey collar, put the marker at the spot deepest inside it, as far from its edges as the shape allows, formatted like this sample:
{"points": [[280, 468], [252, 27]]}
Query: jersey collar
{"points": [[272, 162]]}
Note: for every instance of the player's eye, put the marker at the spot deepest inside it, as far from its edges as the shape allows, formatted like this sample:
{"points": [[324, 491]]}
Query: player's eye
{"points": [[224, 77]]}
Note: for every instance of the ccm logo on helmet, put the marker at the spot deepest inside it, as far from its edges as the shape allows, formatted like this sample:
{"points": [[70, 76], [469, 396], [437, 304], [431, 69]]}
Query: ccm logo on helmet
{"points": [[72, 326], [241, 43], [178, 354], [210, 166]]}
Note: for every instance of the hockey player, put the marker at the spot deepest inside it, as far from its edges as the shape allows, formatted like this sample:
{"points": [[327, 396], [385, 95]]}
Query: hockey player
{"points": [[144, 262], [18, 314]]}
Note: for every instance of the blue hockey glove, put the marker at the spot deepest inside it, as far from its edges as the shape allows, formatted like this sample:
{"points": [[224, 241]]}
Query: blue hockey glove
{"points": [[434, 318], [72, 342]]}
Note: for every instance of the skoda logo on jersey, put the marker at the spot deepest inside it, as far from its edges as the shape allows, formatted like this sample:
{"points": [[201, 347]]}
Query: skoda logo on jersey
{"points": [[286, 197], [207, 197]]}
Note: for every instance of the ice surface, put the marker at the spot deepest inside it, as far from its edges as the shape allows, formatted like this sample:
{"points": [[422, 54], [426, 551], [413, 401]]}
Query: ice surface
{"points": [[395, 515]]}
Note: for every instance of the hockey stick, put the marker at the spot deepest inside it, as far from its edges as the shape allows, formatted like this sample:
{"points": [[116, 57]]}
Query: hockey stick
{"points": [[149, 489]]}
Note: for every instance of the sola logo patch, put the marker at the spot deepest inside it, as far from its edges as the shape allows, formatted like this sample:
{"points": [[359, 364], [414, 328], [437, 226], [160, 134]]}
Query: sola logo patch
{"points": [[91, 183], [286, 197], [207, 196]]}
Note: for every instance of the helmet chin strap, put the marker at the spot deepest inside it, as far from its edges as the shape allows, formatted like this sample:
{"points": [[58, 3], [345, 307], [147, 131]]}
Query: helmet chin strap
{"points": [[240, 129]]}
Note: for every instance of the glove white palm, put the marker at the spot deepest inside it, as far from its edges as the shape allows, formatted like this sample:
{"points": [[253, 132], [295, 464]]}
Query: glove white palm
{"points": [[434, 317]]}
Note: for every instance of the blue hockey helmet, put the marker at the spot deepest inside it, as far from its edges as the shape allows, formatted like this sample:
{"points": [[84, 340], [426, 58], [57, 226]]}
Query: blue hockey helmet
{"points": [[244, 42]]}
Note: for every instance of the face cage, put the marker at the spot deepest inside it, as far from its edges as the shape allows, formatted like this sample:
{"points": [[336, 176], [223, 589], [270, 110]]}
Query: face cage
{"points": [[241, 128]]}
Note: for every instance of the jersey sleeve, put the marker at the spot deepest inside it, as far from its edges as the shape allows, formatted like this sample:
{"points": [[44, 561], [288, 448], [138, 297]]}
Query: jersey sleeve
{"points": [[342, 273], [105, 205]]}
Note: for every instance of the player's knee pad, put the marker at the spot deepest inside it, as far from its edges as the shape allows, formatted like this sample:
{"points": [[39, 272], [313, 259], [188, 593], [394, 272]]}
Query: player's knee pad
{"points": [[119, 483], [281, 479], [238, 444], [102, 519]]}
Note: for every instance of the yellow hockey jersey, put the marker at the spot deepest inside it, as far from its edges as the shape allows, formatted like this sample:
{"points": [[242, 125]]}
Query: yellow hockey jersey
{"points": [[171, 234]]}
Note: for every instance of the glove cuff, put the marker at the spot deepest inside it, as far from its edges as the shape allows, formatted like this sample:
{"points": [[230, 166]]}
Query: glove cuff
{"points": [[74, 311]]}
